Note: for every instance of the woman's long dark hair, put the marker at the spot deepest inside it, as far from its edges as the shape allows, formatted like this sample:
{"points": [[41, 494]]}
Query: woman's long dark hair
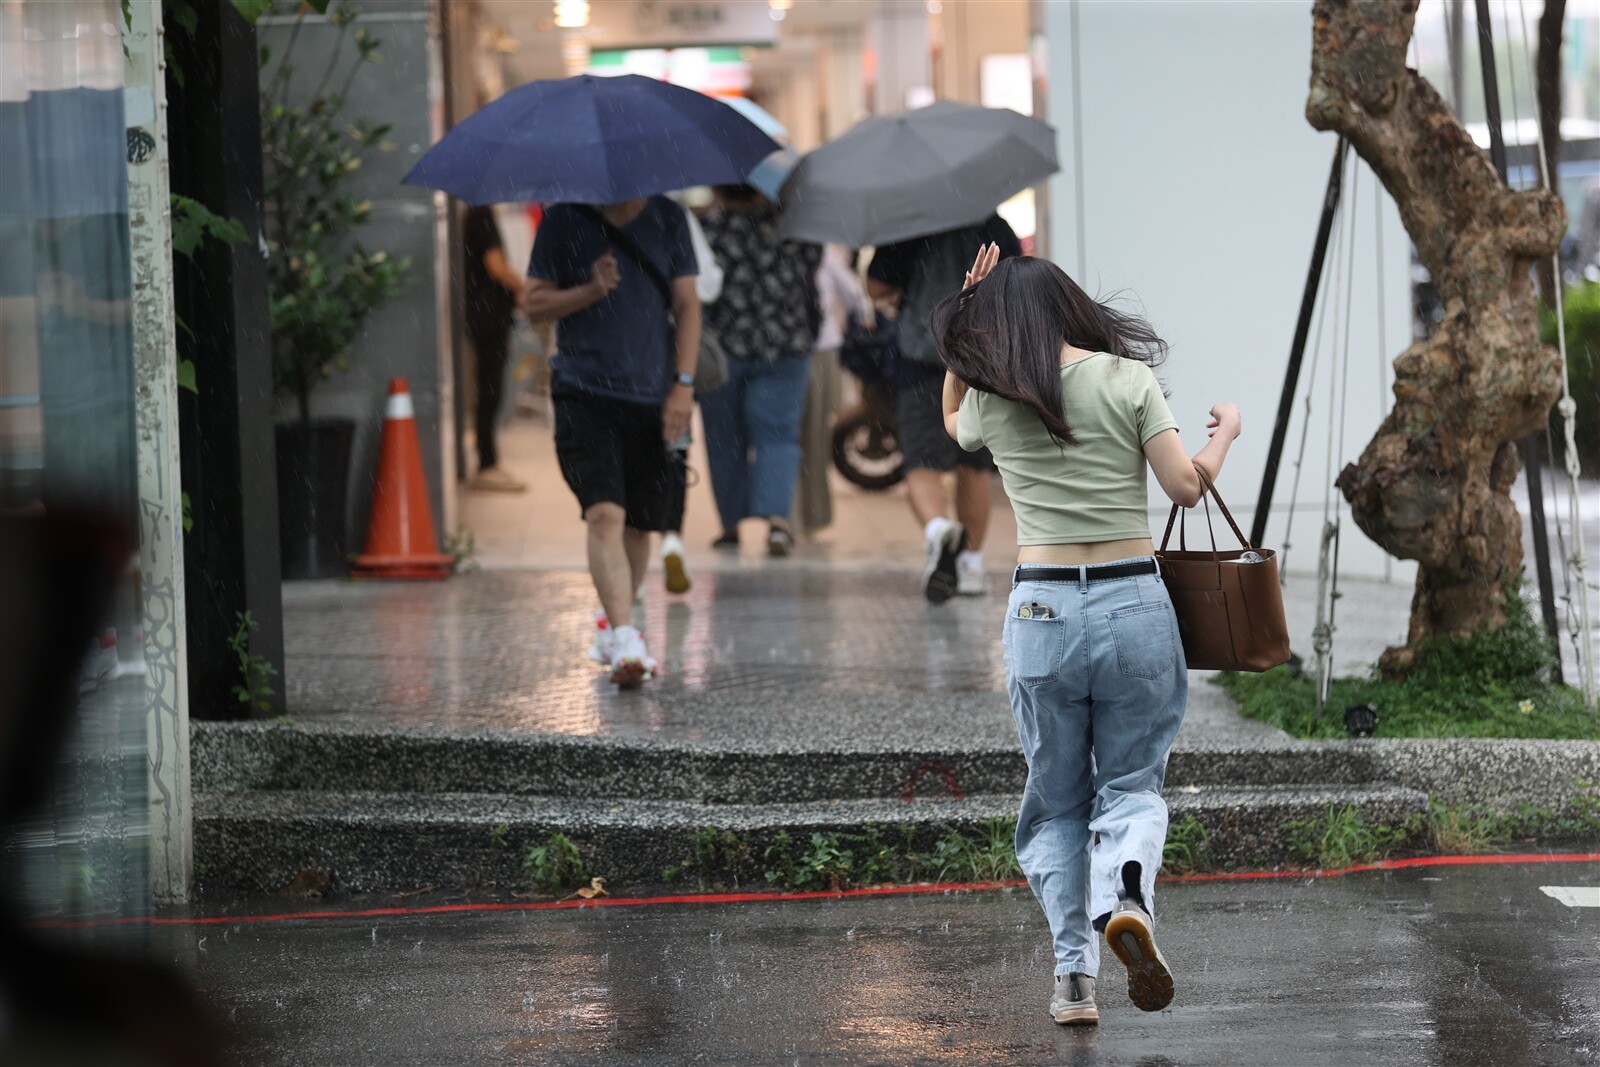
{"points": [[1004, 335]]}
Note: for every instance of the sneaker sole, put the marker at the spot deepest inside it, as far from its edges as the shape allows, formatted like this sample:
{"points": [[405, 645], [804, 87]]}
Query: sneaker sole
{"points": [[677, 574], [942, 581], [1150, 984], [630, 674], [1078, 1015]]}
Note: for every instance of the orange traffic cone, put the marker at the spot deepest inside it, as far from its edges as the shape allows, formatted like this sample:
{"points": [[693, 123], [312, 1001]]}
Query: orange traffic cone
{"points": [[400, 541]]}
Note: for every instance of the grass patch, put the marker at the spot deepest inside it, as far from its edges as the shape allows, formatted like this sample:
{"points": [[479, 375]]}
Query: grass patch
{"points": [[1340, 837], [719, 859], [884, 855], [1497, 684], [1188, 847]]}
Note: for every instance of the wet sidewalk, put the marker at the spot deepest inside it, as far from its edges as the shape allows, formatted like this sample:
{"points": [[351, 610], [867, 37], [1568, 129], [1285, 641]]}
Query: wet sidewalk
{"points": [[811, 653], [1450, 965], [817, 653]]}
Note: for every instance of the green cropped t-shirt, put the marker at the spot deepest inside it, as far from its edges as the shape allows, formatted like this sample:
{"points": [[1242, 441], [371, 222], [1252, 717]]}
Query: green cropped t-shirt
{"points": [[1094, 490]]}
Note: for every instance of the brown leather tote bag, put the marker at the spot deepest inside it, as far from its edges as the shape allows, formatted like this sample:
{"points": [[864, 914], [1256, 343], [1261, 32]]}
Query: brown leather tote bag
{"points": [[1230, 612]]}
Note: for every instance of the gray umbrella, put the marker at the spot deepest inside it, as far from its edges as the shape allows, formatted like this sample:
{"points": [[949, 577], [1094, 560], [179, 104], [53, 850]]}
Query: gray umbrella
{"points": [[892, 177]]}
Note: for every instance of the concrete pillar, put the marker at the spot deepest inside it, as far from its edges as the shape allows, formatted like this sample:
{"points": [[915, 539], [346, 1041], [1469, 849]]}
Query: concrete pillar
{"points": [[155, 357], [897, 40], [842, 81]]}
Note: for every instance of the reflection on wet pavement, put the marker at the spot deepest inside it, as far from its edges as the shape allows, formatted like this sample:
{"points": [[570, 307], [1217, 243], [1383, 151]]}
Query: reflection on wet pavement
{"points": [[808, 653], [1460, 965]]}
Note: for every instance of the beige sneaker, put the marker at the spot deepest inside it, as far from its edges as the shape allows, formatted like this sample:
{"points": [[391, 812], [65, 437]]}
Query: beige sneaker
{"points": [[495, 480], [1072, 1002], [674, 564], [1131, 935]]}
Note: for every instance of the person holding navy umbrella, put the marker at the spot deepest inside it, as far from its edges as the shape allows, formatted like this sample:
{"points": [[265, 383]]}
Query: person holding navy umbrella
{"points": [[620, 279], [613, 264]]}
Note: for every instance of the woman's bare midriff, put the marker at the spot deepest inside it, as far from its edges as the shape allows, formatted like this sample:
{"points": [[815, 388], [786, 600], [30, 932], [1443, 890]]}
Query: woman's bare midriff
{"points": [[1090, 553]]}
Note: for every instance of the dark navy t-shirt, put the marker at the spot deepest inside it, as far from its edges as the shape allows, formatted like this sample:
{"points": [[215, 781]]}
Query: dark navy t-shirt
{"points": [[622, 346]]}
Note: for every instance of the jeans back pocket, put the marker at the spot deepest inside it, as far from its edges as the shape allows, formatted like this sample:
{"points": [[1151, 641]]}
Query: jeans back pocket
{"points": [[1034, 648], [1146, 645]]}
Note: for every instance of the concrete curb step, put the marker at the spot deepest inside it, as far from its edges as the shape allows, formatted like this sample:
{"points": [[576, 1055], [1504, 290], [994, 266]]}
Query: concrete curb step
{"points": [[240, 757], [369, 841]]}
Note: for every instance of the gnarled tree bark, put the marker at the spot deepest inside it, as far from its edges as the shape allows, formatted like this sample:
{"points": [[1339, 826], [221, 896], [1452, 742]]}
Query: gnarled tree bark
{"points": [[1434, 484]]}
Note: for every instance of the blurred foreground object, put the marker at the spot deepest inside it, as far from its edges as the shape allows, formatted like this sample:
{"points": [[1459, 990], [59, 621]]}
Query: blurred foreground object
{"points": [[64, 1003]]}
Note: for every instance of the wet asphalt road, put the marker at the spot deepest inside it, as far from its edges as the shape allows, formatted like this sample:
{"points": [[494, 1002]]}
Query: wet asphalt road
{"points": [[1442, 965]]}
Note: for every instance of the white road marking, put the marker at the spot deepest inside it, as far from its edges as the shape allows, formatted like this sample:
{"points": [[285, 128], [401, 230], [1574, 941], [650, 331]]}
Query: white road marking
{"points": [[1574, 896]]}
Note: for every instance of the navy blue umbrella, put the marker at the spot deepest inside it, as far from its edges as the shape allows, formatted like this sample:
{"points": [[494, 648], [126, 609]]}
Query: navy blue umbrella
{"points": [[592, 140]]}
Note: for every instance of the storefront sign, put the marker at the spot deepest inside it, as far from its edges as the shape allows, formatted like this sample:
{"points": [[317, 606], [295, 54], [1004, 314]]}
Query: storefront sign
{"points": [[661, 23]]}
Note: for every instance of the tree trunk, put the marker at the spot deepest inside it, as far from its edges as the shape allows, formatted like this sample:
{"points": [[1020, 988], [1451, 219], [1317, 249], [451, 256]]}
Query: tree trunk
{"points": [[1434, 484], [1548, 94]]}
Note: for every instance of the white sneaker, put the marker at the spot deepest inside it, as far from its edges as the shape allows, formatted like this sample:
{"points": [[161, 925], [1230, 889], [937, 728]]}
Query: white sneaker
{"points": [[939, 576], [631, 664], [970, 579], [600, 647], [673, 562]]}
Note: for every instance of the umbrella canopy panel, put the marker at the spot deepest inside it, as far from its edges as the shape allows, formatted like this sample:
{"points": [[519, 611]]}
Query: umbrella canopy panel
{"points": [[894, 177], [592, 140]]}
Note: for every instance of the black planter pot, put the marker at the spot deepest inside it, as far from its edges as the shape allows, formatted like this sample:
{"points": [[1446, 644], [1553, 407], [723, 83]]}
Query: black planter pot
{"points": [[313, 477]]}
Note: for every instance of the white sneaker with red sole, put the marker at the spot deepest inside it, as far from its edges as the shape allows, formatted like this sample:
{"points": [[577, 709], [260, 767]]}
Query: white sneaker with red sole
{"points": [[631, 663]]}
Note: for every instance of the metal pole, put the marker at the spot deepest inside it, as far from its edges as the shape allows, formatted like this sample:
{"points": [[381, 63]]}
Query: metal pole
{"points": [[1529, 445], [1297, 348], [161, 537]]}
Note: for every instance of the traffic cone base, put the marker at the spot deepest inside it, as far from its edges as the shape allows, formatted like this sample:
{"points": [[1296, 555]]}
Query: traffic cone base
{"points": [[400, 539]]}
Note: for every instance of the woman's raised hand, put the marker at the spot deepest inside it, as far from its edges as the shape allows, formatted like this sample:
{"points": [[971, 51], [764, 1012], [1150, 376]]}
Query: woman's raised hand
{"points": [[988, 256], [1225, 420]]}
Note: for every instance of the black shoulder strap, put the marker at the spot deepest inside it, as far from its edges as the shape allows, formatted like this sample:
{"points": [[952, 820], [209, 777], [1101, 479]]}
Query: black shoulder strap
{"points": [[630, 248]]}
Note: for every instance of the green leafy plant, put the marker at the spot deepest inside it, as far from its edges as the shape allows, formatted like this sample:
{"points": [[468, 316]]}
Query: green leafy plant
{"points": [[498, 837], [255, 672], [1340, 837], [556, 864], [322, 283], [192, 224], [462, 548], [718, 858], [827, 864], [1581, 307]]}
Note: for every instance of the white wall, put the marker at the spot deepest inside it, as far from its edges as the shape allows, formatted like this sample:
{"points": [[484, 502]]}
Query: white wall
{"points": [[1201, 188]]}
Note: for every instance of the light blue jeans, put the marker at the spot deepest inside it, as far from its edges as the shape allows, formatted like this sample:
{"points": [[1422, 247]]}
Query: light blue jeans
{"points": [[1098, 692], [753, 437]]}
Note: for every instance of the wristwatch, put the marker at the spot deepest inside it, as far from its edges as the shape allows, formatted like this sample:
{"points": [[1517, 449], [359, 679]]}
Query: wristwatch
{"points": [[685, 378]]}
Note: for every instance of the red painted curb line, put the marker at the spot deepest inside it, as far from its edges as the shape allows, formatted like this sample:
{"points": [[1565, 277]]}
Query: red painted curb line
{"points": [[824, 894]]}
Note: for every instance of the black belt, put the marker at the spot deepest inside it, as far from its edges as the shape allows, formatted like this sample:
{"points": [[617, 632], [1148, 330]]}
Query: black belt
{"points": [[1104, 573]]}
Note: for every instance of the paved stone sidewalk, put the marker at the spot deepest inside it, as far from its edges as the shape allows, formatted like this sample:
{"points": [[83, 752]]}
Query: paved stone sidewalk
{"points": [[825, 655]]}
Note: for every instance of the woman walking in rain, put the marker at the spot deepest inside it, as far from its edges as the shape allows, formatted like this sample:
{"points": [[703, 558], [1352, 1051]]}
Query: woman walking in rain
{"points": [[766, 319], [1060, 389]]}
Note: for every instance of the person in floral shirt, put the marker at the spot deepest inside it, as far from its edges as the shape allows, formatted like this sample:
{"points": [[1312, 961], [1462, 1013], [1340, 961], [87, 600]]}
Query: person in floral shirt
{"points": [[766, 319]]}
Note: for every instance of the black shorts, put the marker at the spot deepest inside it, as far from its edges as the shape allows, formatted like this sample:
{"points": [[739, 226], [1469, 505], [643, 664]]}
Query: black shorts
{"points": [[919, 410], [612, 452]]}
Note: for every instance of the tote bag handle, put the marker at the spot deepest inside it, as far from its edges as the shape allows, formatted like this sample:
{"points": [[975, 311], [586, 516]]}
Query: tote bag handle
{"points": [[1207, 488]]}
